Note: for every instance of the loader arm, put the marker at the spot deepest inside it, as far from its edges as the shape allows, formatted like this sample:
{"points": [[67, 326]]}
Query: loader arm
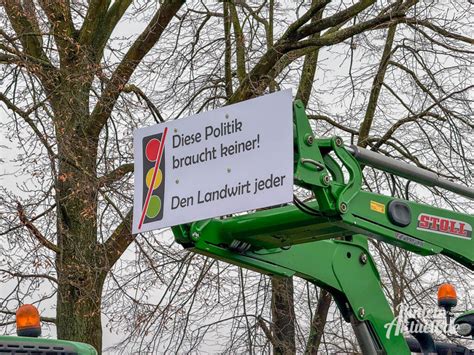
{"points": [[324, 241]]}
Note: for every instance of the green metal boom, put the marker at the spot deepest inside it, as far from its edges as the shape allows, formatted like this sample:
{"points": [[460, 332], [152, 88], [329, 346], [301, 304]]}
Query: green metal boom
{"points": [[325, 241]]}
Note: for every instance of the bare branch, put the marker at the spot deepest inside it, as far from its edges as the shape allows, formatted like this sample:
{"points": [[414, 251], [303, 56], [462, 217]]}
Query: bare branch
{"points": [[59, 15], [331, 21], [26, 117], [49, 209], [227, 51], [376, 86], [34, 231], [113, 16], [259, 77], [119, 240], [240, 44], [116, 174], [440, 30], [147, 39], [333, 123], [29, 38], [318, 322], [29, 276], [309, 66], [268, 333], [141, 95], [95, 14]]}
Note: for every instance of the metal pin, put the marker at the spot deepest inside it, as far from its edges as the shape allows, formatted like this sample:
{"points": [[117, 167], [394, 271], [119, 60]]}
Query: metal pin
{"points": [[326, 180], [343, 207]]}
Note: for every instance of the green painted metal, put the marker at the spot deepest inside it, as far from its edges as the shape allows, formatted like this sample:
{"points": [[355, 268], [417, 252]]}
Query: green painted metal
{"points": [[422, 241], [329, 246], [310, 170], [361, 285], [467, 313], [32, 344], [346, 269], [267, 229], [286, 226]]}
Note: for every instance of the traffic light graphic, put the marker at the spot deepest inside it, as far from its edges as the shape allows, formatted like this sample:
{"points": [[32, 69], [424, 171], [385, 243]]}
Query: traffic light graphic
{"points": [[153, 152]]}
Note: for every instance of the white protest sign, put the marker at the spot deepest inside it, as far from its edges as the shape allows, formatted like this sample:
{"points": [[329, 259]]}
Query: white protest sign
{"points": [[229, 160]]}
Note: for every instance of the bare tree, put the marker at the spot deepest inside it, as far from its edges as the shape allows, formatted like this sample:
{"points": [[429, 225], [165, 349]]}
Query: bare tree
{"points": [[76, 82]]}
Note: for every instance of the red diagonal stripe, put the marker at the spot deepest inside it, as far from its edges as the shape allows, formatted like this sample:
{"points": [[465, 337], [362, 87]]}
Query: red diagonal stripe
{"points": [[155, 171]]}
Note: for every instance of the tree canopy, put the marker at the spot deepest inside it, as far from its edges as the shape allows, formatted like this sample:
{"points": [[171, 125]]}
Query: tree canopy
{"points": [[76, 78]]}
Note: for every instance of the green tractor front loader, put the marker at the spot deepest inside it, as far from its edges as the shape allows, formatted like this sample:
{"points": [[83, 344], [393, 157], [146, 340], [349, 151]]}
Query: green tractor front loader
{"points": [[325, 241]]}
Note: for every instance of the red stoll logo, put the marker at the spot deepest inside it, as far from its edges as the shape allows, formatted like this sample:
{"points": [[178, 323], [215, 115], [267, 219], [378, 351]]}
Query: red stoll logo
{"points": [[446, 226]]}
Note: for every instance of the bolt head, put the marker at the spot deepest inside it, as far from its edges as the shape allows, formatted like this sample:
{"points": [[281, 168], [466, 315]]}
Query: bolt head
{"points": [[339, 141], [310, 140], [361, 312], [326, 180], [363, 258], [343, 207], [195, 235]]}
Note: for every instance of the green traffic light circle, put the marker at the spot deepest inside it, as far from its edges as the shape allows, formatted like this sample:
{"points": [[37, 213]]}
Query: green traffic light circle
{"points": [[154, 207]]}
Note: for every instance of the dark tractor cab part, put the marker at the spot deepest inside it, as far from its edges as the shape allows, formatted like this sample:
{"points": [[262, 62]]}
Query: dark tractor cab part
{"points": [[441, 348], [425, 340], [399, 213], [465, 324]]}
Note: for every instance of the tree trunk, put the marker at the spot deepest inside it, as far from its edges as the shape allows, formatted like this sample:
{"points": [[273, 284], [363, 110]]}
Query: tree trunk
{"points": [[80, 279], [318, 322], [79, 309], [80, 263], [283, 316]]}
